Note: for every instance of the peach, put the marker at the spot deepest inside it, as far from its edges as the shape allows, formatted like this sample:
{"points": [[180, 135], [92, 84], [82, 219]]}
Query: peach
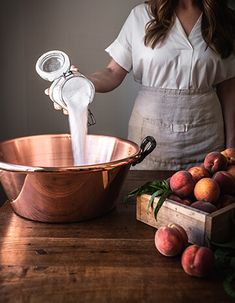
{"points": [[231, 169], [197, 261], [207, 190], [225, 181], [198, 172], [182, 184], [179, 200], [186, 202], [225, 200], [171, 240], [229, 153], [204, 206], [175, 198], [215, 161]]}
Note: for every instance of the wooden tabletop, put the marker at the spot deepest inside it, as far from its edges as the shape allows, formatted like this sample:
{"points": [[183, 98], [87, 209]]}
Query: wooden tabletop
{"points": [[109, 259]]}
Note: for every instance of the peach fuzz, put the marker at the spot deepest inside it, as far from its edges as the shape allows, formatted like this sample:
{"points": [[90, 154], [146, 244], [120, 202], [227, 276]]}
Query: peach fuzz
{"points": [[207, 190], [215, 161], [225, 181], [171, 240], [198, 172], [197, 261], [229, 153], [182, 184]]}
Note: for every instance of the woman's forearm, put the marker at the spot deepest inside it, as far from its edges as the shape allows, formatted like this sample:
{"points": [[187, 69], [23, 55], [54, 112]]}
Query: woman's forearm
{"points": [[226, 93], [109, 78]]}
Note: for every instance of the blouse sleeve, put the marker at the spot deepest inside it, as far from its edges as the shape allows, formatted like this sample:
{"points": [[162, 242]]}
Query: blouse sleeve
{"points": [[226, 69], [121, 49]]}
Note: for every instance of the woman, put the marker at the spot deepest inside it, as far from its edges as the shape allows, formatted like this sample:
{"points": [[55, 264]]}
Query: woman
{"points": [[182, 53]]}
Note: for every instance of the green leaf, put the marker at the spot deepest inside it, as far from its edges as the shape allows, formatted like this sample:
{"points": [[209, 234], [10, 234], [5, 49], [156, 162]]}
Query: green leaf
{"points": [[222, 259], [156, 188], [230, 244], [153, 196], [228, 285], [225, 263], [232, 263], [146, 188], [160, 203]]}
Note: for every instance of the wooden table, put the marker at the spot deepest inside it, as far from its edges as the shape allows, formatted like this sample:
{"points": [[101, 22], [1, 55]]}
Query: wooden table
{"points": [[109, 259]]}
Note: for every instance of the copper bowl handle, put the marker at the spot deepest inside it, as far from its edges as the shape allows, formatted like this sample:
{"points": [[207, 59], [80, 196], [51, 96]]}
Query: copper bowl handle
{"points": [[146, 147]]}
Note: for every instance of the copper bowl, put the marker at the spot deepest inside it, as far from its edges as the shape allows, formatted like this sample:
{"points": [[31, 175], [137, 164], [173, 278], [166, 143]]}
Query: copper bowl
{"points": [[42, 184]]}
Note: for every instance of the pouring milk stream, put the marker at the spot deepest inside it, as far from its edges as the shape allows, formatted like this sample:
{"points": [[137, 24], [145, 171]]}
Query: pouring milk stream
{"points": [[73, 92]]}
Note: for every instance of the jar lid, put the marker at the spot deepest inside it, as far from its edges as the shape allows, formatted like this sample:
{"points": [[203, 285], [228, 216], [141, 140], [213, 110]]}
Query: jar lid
{"points": [[52, 65]]}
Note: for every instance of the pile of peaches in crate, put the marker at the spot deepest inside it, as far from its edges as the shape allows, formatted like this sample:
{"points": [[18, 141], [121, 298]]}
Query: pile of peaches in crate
{"points": [[208, 187]]}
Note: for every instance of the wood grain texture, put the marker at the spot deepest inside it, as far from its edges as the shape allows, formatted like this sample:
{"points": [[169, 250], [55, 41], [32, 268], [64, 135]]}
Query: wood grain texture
{"points": [[108, 259], [201, 227]]}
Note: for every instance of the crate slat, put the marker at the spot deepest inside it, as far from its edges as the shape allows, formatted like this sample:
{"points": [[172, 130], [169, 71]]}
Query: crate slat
{"points": [[199, 226]]}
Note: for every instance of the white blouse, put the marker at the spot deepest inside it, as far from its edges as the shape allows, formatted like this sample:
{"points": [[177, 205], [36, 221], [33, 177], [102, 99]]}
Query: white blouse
{"points": [[179, 62]]}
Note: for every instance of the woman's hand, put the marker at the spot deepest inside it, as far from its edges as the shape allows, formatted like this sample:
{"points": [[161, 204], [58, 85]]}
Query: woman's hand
{"points": [[56, 105], [75, 71]]}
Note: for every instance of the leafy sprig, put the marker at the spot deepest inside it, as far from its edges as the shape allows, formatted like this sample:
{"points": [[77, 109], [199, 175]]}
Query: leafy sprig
{"points": [[156, 188], [225, 264], [224, 252]]}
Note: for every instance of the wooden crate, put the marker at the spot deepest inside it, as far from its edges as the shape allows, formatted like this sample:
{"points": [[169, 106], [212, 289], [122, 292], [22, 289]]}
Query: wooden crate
{"points": [[201, 227]]}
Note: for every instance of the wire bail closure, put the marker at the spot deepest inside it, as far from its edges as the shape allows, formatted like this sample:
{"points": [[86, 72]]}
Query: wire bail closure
{"points": [[54, 66]]}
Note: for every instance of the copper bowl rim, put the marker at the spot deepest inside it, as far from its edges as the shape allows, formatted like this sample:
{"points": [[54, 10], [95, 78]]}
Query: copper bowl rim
{"points": [[131, 159]]}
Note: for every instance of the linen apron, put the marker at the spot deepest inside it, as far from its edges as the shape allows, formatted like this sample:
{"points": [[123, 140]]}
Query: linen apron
{"points": [[187, 124]]}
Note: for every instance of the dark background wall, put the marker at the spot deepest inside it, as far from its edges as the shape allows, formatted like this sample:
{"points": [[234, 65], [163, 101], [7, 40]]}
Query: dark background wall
{"points": [[83, 29]]}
